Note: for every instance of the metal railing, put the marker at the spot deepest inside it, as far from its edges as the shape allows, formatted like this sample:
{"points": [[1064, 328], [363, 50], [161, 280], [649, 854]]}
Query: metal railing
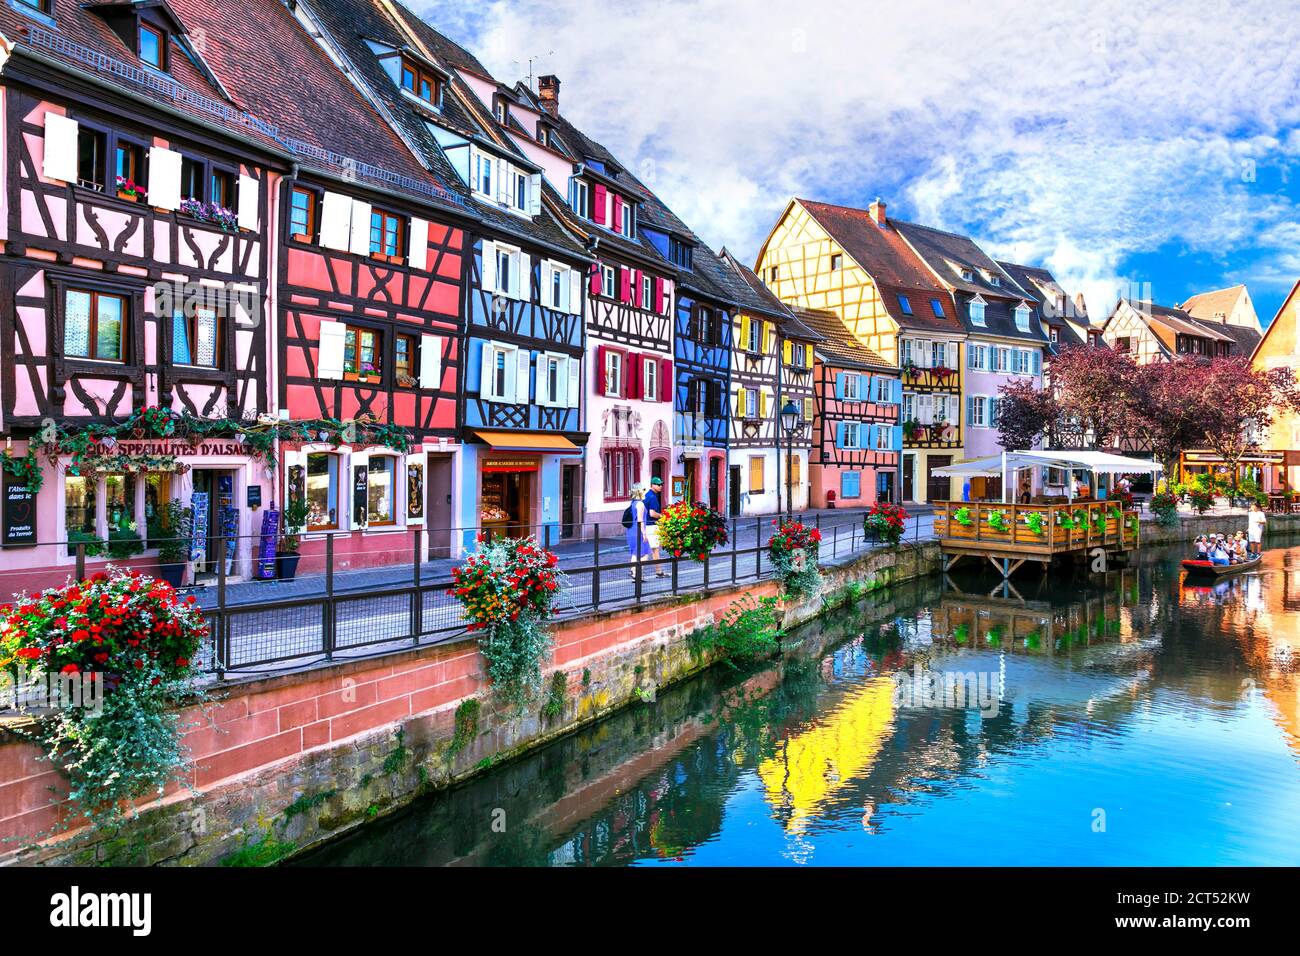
{"points": [[360, 598]]}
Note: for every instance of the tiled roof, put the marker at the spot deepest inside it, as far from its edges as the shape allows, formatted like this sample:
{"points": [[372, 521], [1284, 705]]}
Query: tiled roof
{"points": [[1050, 295], [759, 299], [838, 346], [884, 254], [1211, 305]]}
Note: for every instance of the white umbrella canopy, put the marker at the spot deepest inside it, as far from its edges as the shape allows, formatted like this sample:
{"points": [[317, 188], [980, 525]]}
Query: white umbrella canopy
{"points": [[1097, 462]]}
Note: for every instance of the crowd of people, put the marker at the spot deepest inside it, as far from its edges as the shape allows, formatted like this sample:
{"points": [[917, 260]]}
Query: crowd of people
{"points": [[1234, 548]]}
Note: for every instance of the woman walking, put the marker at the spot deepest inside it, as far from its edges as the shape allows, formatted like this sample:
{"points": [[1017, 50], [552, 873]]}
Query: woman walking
{"points": [[638, 543]]}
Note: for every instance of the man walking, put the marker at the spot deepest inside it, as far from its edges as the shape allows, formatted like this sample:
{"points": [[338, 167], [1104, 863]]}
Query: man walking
{"points": [[654, 505]]}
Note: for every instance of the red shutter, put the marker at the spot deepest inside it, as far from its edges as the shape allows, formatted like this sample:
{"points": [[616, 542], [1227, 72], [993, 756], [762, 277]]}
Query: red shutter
{"points": [[624, 284], [600, 369], [598, 205], [636, 288], [657, 304], [596, 283], [667, 388], [618, 213], [633, 362]]}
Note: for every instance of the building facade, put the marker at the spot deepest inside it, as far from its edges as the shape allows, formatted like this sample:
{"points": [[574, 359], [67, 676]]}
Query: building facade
{"points": [[1280, 348]]}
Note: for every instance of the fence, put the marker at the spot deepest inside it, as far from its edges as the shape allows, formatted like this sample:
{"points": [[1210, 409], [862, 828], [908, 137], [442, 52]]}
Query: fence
{"points": [[339, 610]]}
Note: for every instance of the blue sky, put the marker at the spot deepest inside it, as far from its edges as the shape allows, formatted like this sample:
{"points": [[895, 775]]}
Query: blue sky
{"points": [[1116, 143]]}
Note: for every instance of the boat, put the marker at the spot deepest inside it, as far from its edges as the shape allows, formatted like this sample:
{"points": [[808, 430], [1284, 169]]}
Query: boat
{"points": [[1210, 569]]}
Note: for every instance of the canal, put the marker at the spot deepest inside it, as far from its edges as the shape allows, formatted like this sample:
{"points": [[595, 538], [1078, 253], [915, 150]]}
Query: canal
{"points": [[1125, 718]]}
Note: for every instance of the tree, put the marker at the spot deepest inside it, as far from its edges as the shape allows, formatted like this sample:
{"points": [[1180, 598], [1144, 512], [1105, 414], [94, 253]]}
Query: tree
{"points": [[1236, 402], [1025, 414], [1166, 407], [1092, 389]]}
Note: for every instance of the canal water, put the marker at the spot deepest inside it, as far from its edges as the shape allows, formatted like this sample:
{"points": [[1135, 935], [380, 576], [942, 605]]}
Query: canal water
{"points": [[1124, 718]]}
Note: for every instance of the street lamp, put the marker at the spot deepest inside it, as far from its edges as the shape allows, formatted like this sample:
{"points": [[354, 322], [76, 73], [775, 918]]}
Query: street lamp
{"points": [[789, 422]]}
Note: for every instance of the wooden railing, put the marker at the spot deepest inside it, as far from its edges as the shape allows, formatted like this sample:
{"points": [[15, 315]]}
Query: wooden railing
{"points": [[1038, 529]]}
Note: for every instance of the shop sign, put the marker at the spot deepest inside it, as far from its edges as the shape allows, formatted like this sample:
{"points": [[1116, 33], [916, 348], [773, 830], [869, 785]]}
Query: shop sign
{"points": [[510, 463], [19, 515], [165, 446]]}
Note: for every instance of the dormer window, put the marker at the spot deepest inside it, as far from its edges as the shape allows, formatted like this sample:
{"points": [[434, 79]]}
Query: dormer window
{"points": [[1022, 317], [993, 280], [421, 83], [500, 110], [40, 6], [967, 275], [581, 200], [977, 311], [153, 46], [629, 220]]}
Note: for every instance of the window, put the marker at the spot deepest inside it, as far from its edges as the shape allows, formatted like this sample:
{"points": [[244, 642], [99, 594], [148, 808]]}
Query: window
{"points": [[850, 484], [404, 352], [629, 220], [222, 188], [1123, 344], [581, 201], [153, 46], [995, 405], [679, 252], [909, 407], [607, 281], [559, 286], [852, 435], [751, 403], [498, 371], [78, 508], [647, 293], [381, 489], [129, 162], [884, 437], [1001, 358], [94, 326], [976, 410], [851, 387], [1053, 334], [119, 501], [191, 179], [90, 158], [937, 308], [1019, 362], [421, 83], [195, 339], [977, 312], [1022, 318], [362, 352], [322, 492], [755, 343], [302, 215], [485, 165], [993, 280], [772, 273], [650, 378], [520, 192], [905, 304], [938, 354], [386, 232], [756, 476], [837, 260], [553, 385], [614, 373], [41, 6], [622, 470], [882, 386], [977, 357]]}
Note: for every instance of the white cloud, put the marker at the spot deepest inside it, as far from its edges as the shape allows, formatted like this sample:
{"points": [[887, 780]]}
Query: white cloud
{"points": [[1070, 137]]}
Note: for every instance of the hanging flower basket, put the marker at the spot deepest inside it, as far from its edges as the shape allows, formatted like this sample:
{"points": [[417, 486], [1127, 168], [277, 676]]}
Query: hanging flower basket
{"points": [[1036, 522], [998, 521], [691, 531], [794, 550]]}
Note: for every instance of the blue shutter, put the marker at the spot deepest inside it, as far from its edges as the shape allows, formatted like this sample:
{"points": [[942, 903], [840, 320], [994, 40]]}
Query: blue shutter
{"points": [[1038, 363], [896, 390], [970, 409], [839, 434], [873, 434], [839, 386], [896, 437], [850, 484]]}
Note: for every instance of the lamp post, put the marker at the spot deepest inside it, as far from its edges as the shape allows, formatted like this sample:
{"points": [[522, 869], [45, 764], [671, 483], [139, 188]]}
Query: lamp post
{"points": [[789, 422]]}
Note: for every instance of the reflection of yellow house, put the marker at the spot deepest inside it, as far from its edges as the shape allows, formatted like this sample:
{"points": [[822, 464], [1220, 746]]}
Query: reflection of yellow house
{"points": [[809, 767], [1280, 348]]}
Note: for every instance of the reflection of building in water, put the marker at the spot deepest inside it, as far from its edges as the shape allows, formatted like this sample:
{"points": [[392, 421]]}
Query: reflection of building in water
{"points": [[812, 765]]}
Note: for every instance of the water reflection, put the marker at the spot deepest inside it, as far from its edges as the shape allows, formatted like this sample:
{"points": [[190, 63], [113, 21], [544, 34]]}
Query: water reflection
{"points": [[1163, 709]]}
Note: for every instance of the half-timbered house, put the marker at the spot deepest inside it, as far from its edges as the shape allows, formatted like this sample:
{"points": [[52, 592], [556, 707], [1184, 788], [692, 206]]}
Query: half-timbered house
{"points": [[137, 210], [856, 263], [771, 365], [857, 435]]}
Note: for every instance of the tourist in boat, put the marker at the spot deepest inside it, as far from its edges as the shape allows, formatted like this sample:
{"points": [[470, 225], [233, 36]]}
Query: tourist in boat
{"points": [[1255, 522], [1219, 553], [1202, 547]]}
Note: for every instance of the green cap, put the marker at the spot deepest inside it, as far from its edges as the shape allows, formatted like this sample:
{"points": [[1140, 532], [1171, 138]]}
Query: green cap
{"points": [[656, 481]]}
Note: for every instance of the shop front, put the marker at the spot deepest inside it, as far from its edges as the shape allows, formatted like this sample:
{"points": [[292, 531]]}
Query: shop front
{"points": [[522, 483]]}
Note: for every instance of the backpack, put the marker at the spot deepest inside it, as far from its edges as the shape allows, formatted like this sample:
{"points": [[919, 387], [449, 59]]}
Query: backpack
{"points": [[629, 518]]}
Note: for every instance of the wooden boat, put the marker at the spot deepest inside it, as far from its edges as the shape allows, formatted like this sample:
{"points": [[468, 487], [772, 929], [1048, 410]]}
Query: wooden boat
{"points": [[1209, 569]]}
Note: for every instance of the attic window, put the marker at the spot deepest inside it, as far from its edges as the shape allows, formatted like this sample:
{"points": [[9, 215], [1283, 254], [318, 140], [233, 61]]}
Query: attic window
{"points": [[967, 275], [994, 280], [937, 307], [905, 304], [153, 46], [40, 6], [1022, 318], [421, 83], [837, 260]]}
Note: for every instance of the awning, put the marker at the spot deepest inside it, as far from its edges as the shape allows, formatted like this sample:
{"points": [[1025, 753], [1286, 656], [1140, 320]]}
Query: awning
{"points": [[529, 441], [1098, 461]]}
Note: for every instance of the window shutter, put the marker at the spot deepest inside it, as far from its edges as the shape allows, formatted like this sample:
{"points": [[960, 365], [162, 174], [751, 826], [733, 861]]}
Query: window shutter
{"points": [[839, 434], [575, 292], [417, 246], [489, 269], [952, 355], [417, 460], [740, 403], [359, 244], [839, 386], [355, 496], [617, 224], [503, 174], [598, 204], [487, 372], [164, 177], [667, 387], [329, 350], [430, 361], [248, 196], [632, 373], [523, 379], [788, 352], [596, 284], [970, 409], [766, 343], [575, 382], [873, 435], [524, 284], [1037, 363], [535, 194], [808, 355], [762, 404], [666, 307], [602, 380], [624, 284], [645, 383], [335, 221], [60, 160], [657, 303], [744, 333], [896, 390]]}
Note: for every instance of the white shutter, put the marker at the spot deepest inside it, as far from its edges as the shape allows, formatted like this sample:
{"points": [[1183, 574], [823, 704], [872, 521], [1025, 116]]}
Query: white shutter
{"points": [[248, 196], [575, 382], [358, 459], [952, 355], [473, 166], [417, 245], [336, 221], [418, 458], [575, 292], [489, 265], [503, 173], [164, 178], [524, 285], [359, 243], [523, 378], [430, 361], [487, 371], [329, 349], [535, 194], [60, 148]]}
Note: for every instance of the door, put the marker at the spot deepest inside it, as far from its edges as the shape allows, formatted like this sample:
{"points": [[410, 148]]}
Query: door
{"points": [[219, 518], [909, 477], [734, 494], [439, 506], [569, 501], [885, 486], [937, 486], [715, 483]]}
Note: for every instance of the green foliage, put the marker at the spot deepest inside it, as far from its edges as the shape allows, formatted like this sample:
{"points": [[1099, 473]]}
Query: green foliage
{"points": [[998, 521], [308, 801], [963, 517], [1035, 521], [292, 520], [27, 470], [265, 852], [124, 543], [397, 756], [94, 545], [466, 724], [175, 528], [554, 705], [749, 629]]}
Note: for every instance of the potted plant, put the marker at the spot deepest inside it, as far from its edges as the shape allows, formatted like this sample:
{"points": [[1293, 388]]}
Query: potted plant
{"points": [[130, 191], [177, 524], [884, 522], [691, 531], [293, 520]]}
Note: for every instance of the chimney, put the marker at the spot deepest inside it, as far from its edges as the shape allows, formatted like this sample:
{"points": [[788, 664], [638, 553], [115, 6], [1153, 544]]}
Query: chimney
{"points": [[877, 210], [548, 90], [1080, 307]]}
